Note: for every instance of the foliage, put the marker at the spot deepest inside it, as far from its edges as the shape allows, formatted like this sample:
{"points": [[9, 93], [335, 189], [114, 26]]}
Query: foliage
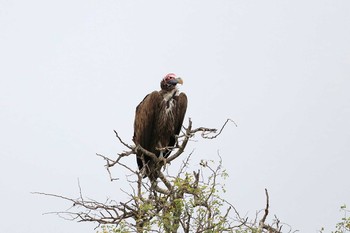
{"points": [[194, 205], [344, 225]]}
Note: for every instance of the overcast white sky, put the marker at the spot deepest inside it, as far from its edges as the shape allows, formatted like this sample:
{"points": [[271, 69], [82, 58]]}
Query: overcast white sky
{"points": [[72, 71]]}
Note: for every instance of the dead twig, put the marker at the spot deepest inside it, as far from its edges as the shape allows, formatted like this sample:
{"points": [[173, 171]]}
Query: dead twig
{"points": [[262, 224]]}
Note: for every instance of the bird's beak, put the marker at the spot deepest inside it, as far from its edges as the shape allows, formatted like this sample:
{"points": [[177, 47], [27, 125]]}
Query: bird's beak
{"points": [[179, 80], [176, 81]]}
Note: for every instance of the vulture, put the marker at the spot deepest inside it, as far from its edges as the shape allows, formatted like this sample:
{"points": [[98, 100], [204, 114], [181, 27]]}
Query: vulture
{"points": [[158, 120]]}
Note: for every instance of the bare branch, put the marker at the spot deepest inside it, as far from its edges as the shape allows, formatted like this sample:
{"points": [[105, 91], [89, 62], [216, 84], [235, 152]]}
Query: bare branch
{"points": [[262, 221], [121, 141], [263, 225], [109, 164], [214, 130]]}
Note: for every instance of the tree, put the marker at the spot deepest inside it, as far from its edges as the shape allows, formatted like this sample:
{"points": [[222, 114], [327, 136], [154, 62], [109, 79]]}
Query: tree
{"points": [[190, 201]]}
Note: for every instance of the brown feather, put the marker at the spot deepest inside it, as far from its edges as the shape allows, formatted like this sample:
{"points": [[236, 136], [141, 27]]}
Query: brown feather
{"points": [[145, 120], [157, 122]]}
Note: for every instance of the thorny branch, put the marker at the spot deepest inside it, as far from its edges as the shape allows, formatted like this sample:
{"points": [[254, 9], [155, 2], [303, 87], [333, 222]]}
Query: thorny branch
{"points": [[190, 203]]}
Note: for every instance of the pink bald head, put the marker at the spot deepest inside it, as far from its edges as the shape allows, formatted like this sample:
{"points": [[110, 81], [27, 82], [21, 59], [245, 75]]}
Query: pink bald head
{"points": [[169, 81]]}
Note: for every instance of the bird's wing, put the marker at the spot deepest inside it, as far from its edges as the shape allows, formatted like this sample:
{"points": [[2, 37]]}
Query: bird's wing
{"points": [[145, 119], [181, 111]]}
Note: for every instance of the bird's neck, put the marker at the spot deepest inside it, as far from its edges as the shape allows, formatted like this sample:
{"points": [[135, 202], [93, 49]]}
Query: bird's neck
{"points": [[167, 95]]}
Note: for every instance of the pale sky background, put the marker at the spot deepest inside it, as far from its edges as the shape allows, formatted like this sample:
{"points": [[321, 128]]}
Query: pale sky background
{"points": [[72, 71]]}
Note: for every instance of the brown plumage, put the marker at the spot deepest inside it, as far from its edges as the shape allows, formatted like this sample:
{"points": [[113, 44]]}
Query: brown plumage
{"points": [[158, 120]]}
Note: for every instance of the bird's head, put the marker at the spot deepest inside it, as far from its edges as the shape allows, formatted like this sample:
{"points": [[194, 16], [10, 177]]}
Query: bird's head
{"points": [[169, 82]]}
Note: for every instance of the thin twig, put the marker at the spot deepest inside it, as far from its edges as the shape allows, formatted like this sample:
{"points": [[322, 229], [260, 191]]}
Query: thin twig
{"points": [[222, 128]]}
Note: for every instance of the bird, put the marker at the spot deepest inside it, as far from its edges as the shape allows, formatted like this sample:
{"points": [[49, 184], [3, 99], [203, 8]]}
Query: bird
{"points": [[158, 121]]}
